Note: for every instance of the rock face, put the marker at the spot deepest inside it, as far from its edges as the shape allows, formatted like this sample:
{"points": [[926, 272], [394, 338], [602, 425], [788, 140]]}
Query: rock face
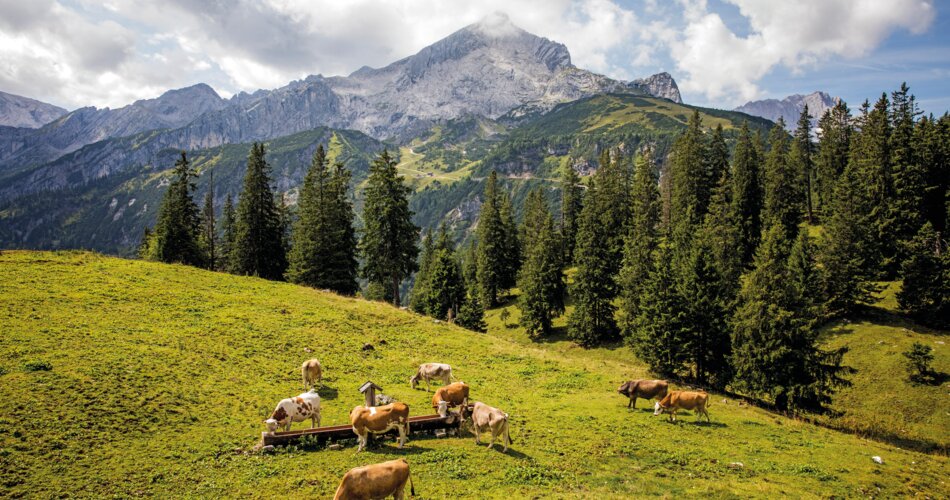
{"points": [[17, 111], [790, 108], [660, 85]]}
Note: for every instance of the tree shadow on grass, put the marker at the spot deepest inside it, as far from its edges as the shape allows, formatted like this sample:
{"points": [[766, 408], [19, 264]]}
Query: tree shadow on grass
{"points": [[327, 392]]}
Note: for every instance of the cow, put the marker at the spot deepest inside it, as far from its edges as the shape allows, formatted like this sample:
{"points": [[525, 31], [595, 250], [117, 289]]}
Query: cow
{"points": [[431, 371], [311, 372], [683, 400], [485, 418], [453, 394], [376, 481], [646, 389], [380, 419], [298, 409]]}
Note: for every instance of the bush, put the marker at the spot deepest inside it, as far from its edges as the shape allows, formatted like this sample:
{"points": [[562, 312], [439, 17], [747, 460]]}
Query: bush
{"points": [[919, 357], [38, 366]]}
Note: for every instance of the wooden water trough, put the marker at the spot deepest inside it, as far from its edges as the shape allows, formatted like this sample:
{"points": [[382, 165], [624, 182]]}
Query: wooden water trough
{"points": [[420, 423]]}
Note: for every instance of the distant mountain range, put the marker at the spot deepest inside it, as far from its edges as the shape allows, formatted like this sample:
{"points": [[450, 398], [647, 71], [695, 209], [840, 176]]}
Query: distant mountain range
{"points": [[23, 112], [790, 108]]}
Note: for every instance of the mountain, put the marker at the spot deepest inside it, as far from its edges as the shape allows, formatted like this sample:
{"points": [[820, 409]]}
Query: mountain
{"points": [[660, 85], [18, 111], [790, 108]]}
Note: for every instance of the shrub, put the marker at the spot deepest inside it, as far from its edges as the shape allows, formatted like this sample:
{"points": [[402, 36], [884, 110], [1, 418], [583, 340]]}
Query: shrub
{"points": [[919, 357], [38, 366]]}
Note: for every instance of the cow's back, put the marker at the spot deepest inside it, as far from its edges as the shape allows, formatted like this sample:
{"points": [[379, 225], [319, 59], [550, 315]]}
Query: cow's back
{"points": [[689, 400], [455, 394], [373, 481], [652, 388]]}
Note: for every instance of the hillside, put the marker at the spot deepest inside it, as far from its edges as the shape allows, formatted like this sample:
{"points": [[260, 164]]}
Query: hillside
{"points": [[160, 376]]}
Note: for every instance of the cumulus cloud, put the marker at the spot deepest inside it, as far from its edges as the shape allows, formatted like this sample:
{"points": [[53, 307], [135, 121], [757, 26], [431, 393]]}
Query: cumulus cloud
{"points": [[723, 66]]}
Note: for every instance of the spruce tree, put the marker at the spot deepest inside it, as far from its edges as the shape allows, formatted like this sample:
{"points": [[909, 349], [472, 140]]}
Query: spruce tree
{"points": [[781, 200], [389, 236], [614, 200], [208, 238], [324, 251], [932, 139], [471, 313], [445, 287], [176, 231], [871, 152], [703, 296], [775, 345], [571, 203], [493, 248], [420, 289], [228, 234], [541, 279], [747, 194], [259, 242], [594, 288], [689, 178], [641, 242], [801, 162], [925, 294], [908, 175], [662, 338], [510, 243], [717, 161], [834, 143]]}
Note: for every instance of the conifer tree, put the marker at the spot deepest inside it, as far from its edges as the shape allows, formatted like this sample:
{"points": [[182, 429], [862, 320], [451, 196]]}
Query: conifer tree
{"points": [[389, 236], [834, 142], [932, 138], [925, 294], [747, 194], [571, 203], [176, 231], [445, 287], [493, 248], [641, 242], [324, 251], [775, 344], [781, 200], [228, 234], [908, 175], [541, 279], [259, 243], [594, 288], [871, 152], [801, 162], [717, 161], [145, 250], [420, 289], [510, 243], [208, 238], [471, 313], [689, 178], [614, 200], [662, 338]]}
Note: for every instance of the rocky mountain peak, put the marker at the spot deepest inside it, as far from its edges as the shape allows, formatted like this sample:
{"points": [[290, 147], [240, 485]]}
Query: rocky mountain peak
{"points": [[790, 108], [660, 85], [18, 111]]}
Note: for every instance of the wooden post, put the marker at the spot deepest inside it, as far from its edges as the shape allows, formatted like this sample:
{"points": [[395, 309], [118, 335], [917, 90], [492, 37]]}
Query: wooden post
{"points": [[369, 393]]}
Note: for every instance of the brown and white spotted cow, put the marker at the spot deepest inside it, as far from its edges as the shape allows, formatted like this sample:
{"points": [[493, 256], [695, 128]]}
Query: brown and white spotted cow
{"points": [[298, 409], [645, 389], [485, 418], [380, 419], [453, 395], [683, 400], [376, 481], [311, 372], [431, 371]]}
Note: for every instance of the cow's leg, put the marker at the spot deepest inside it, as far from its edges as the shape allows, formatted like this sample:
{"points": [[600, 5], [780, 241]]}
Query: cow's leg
{"points": [[475, 430], [633, 402], [402, 434], [494, 433]]}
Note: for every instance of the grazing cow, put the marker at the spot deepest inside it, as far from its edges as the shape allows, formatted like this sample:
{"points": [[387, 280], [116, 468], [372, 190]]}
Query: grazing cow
{"points": [[683, 400], [485, 418], [380, 419], [646, 389], [298, 409], [454, 394], [431, 371], [376, 481], [312, 373]]}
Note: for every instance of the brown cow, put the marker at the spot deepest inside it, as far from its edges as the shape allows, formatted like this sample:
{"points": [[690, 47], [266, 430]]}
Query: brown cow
{"points": [[646, 389], [453, 394], [376, 481], [298, 409], [683, 400], [311, 372], [485, 418], [380, 419]]}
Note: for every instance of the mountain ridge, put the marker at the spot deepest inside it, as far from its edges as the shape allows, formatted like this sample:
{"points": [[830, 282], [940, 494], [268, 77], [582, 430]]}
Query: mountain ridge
{"points": [[790, 108], [24, 112]]}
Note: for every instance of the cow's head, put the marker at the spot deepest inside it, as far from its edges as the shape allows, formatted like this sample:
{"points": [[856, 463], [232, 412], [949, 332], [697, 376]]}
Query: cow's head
{"points": [[271, 424], [443, 408], [413, 380], [624, 388], [658, 408]]}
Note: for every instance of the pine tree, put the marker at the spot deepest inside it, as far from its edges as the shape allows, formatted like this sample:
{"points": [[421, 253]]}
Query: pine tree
{"points": [[801, 162], [389, 237], [324, 251], [775, 344], [834, 143], [493, 256], [703, 295], [594, 288], [259, 246], [614, 200], [209, 232], [176, 231], [662, 337], [641, 242], [228, 235], [747, 194], [689, 178], [445, 286], [541, 279], [908, 175], [510, 243], [781, 200], [717, 161], [932, 138], [925, 294], [871, 152], [146, 247], [472, 314], [420, 289], [571, 203]]}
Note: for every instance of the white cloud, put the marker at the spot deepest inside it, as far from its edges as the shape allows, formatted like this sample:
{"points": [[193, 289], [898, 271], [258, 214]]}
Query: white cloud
{"points": [[716, 62]]}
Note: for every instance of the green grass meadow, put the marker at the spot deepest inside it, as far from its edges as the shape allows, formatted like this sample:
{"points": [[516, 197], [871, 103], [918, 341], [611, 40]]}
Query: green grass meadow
{"points": [[126, 378]]}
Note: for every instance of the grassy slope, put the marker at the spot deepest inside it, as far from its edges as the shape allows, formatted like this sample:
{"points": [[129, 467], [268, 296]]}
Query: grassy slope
{"points": [[161, 372]]}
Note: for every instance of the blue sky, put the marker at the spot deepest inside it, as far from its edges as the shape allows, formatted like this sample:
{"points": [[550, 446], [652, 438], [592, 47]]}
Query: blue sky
{"points": [[722, 53]]}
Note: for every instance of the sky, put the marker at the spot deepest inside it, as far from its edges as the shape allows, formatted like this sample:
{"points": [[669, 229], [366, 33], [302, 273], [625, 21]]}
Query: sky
{"points": [[722, 53]]}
